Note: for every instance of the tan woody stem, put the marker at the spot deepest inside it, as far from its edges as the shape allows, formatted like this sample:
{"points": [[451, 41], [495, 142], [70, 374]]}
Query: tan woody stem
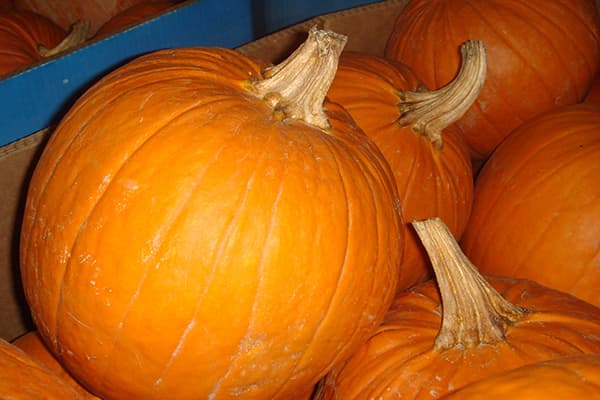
{"points": [[429, 112], [76, 37], [298, 85], [473, 312]]}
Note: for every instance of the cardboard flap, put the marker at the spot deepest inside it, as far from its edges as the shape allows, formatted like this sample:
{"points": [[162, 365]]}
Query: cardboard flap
{"points": [[367, 28], [16, 165]]}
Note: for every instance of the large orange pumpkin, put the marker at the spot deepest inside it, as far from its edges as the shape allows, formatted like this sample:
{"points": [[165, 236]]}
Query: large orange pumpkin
{"points": [[572, 377], [66, 13], [485, 327], [22, 378], [31, 343], [200, 228], [536, 209], [133, 15], [414, 130], [541, 54], [21, 35]]}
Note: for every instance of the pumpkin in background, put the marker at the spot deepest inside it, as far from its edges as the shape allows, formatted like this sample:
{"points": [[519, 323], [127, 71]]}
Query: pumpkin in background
{"points": [[413, 129], [593, 94], [485, 327], [66, 13], [541, 54], [573, 377], [536, 208], [22, 378], [21, 34], [31, 343], [198, 227], [133, 15]]}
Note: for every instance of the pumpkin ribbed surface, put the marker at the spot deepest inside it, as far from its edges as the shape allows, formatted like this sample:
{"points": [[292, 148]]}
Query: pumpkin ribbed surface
{"points": [[442, 335], [432, 180], [593, 94], [542, 54], [399, 359], [23, 378], [66, 13], [21, 33], [573, 377], [536, 208], [183, 238], [132, 15], [31, 343]]}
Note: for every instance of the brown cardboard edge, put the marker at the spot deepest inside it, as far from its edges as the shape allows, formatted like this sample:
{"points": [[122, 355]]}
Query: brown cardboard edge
{"points": [[33, 140], [276, 46], [17, 160]]}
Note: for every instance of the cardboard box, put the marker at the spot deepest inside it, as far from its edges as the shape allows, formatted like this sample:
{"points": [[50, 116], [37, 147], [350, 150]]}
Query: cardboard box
{"points": [[367, 28]]}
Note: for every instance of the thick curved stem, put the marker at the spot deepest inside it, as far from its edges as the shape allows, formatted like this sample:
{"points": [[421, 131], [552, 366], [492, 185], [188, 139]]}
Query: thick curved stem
{"points": [[473, 312], [76, 37], [429, 112], [298, 85]]}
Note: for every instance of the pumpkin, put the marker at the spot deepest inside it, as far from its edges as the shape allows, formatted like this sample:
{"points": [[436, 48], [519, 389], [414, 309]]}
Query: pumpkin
{"points": [[487, 325], [31, 343], [199, 226], [573, 377], [21, 34], [593, 94], [541, 55], [413, 129], [23, 378], [133, 15], [535, 212], [66, 13]]}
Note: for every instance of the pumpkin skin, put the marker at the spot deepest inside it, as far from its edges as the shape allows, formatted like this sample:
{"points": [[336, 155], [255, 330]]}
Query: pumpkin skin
{"points": [[543, 177], [31, 343], [205, 238], [573, 377], [23, 378], [541, 55], [66, 13], [593, 94], [133, 15], [21, 33], [399, 359], [431, 181]]}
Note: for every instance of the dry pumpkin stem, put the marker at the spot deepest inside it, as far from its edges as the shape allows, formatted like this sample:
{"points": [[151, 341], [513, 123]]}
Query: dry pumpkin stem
{"points": [[429, 112], [298, 85], [473, 312], [77, 36]]}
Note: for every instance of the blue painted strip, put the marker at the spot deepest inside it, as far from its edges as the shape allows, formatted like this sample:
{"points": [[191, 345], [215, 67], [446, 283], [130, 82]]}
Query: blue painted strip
{"points": [[38, 97]]}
